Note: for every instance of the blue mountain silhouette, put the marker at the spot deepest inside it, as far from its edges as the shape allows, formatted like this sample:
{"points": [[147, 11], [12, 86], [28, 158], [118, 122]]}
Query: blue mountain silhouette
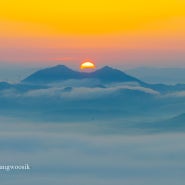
{"points": [[106, 74], [61, 73]]}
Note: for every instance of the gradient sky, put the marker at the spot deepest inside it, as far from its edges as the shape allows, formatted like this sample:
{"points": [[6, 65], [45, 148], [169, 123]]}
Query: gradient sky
{"points": [[121, 33]]}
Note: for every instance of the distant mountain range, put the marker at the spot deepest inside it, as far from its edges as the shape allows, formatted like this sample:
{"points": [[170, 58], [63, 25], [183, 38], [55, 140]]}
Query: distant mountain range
{"points": [[61, 73], [58, 92], [42, 79]]}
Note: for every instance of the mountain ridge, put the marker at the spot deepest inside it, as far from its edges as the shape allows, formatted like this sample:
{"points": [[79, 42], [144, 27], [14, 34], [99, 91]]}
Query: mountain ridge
{"points": [[102, 77], [62, 73]]}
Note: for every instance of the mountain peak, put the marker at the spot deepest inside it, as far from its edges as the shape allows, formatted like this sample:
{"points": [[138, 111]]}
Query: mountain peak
{"points": [[106, 68], [60, 67], [109, 74], [52, 74], [110, 69], [61, 73]]}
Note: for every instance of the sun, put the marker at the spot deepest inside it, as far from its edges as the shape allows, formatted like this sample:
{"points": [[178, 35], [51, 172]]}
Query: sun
{"points": [[87, 65]]}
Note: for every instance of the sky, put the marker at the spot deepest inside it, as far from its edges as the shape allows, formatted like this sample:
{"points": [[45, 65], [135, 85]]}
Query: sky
{"points": [[117, 33]]}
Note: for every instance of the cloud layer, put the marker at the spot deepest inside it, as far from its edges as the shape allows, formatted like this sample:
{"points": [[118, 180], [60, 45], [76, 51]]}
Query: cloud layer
{"points": [[59, 153]]}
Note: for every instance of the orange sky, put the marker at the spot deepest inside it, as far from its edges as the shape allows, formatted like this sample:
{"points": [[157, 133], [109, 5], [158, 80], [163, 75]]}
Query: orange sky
{"points": [[137, 32]]}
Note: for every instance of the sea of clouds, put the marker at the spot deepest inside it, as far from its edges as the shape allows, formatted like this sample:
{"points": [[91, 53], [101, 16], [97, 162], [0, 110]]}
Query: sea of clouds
{"points": [[86, 153], [91, 134]]}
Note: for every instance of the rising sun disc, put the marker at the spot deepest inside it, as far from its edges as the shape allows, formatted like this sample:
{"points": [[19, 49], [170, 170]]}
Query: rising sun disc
{"points": [[87, 65]]}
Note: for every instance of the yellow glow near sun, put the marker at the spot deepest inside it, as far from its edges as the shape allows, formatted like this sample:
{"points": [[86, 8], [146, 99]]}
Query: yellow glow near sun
{"points": [[87, 65]]}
